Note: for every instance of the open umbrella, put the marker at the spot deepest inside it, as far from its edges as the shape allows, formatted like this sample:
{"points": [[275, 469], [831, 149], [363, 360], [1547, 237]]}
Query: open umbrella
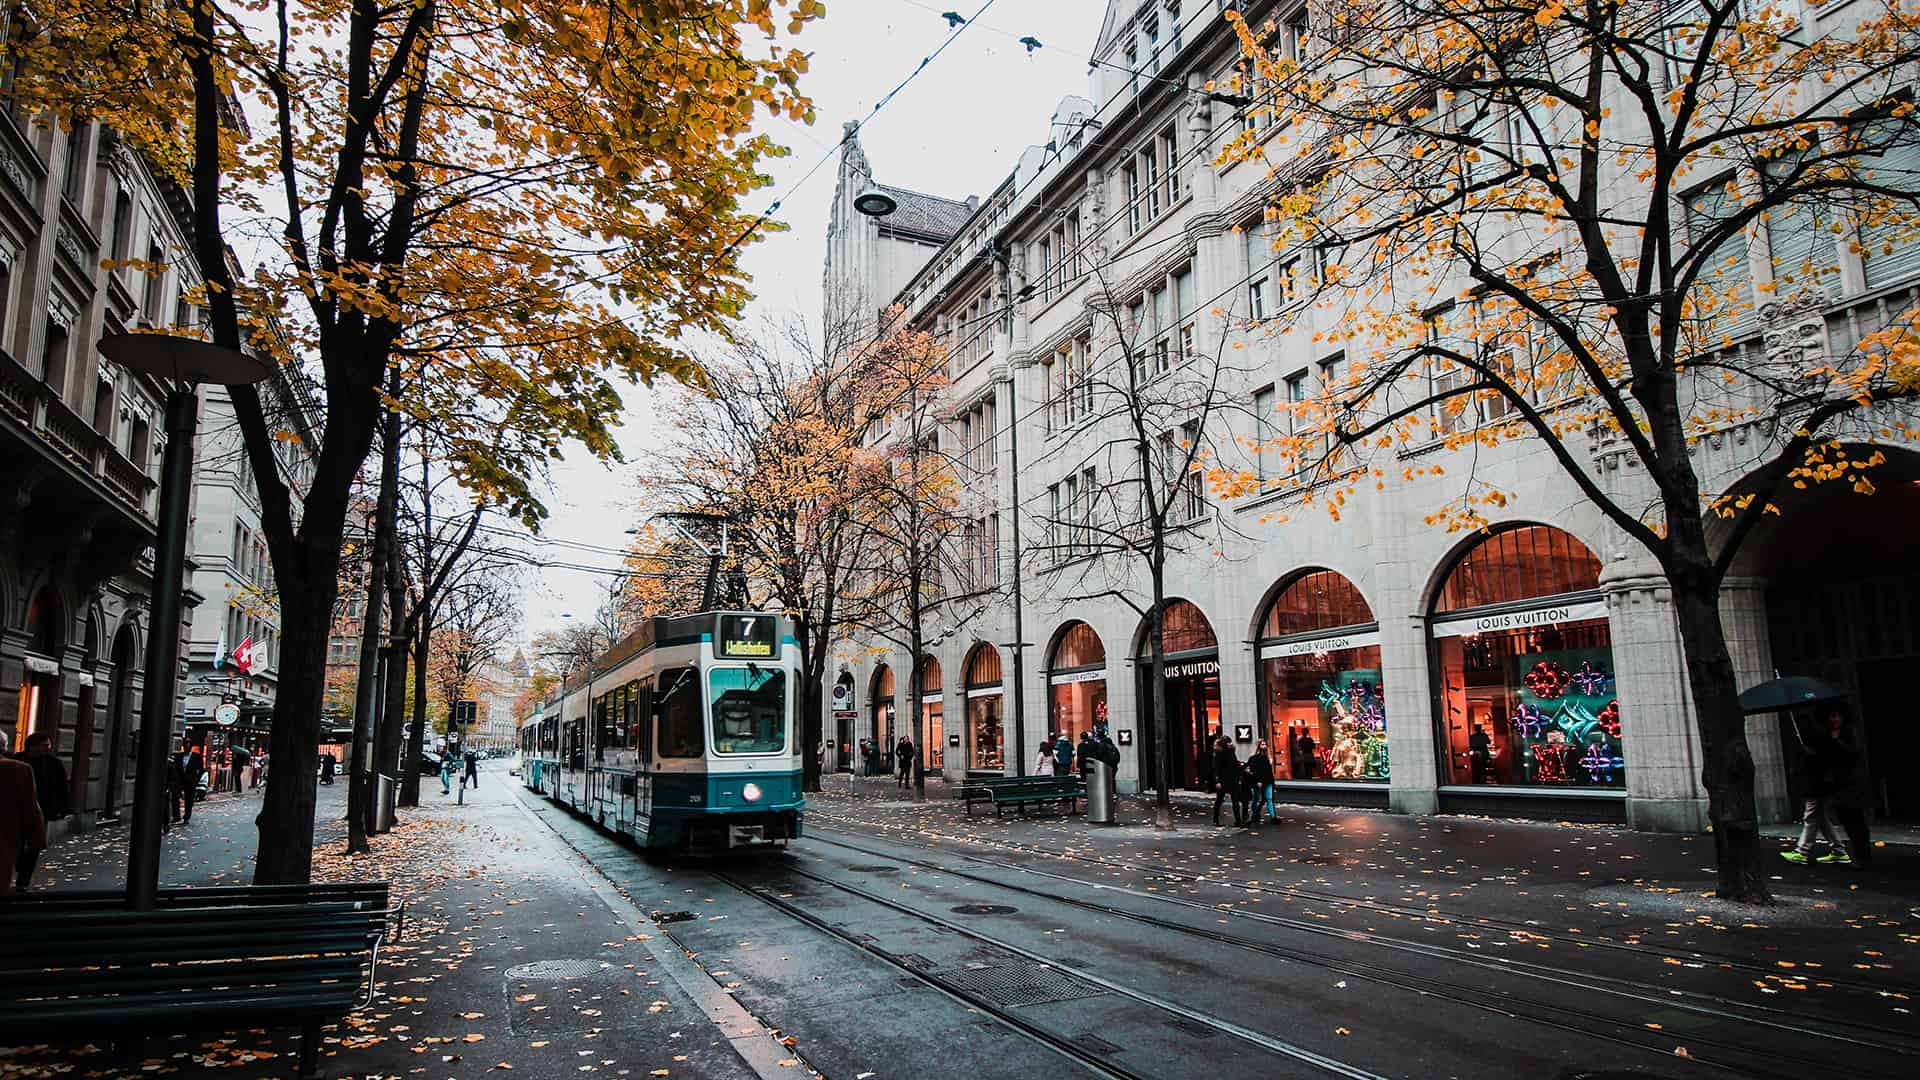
{"points": [[1779, 695]]}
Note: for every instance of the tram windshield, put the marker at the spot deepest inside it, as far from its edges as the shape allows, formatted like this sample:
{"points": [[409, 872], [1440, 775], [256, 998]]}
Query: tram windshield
{"points": [[749, 710]]}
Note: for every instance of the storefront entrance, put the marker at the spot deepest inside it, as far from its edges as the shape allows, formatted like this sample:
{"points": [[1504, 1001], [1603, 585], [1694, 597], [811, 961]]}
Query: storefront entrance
{"points": [[1192, 664], [1843, 606]]}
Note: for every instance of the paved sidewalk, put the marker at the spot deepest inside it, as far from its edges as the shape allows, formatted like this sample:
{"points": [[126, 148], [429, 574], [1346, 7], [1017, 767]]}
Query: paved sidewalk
{"points": [[516, 959]]}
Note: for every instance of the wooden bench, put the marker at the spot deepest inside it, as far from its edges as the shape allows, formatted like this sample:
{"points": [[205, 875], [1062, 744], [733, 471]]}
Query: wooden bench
{"points": [[77, 965], [1027, 790]]}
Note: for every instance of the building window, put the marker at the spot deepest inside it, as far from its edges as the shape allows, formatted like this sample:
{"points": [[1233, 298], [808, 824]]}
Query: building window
{"points": [[1266, 433], [1723, 290], [53, 356], [1524, 649], [151, 303], [1181, 483], [1070, 385], [1183, 312], [74, 184], [1169, 152], [1259, 254], [1131, 177]]}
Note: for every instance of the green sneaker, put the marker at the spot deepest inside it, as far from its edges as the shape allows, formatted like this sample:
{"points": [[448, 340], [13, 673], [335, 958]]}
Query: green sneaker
{"points": [[1838, 858], [1794, 856]]}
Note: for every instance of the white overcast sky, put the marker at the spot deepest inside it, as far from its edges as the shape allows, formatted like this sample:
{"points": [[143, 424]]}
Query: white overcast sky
{"points": [[957, 130]]}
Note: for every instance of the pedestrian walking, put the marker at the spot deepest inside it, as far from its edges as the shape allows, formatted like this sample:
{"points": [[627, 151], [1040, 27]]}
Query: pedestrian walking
{"points": [[904, 754], [186, 770], [1063, 756], [1826, 763], [1226, 779], [1043, 758], [327, 765], [23, 828], [473, 770], [242, 764], [1260, 774], [1853, 793], [446, 774], [1086, 753], [259, 768]]}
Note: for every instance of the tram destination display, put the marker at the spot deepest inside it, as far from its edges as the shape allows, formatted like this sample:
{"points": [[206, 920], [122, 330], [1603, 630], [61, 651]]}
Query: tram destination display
{"points": [[746, 636]]}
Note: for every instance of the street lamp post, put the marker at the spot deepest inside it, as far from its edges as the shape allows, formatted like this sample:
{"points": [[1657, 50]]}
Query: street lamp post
{"points": [[180, 363]]}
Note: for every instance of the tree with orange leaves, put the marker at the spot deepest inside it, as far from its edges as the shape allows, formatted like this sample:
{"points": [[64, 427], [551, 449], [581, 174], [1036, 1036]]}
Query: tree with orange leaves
{"points": [[1544, 222], [511, 205]]}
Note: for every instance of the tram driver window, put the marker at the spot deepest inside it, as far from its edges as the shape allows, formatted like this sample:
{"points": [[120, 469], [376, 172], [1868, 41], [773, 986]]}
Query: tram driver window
{"points": [[677, 705], [749, 710]]}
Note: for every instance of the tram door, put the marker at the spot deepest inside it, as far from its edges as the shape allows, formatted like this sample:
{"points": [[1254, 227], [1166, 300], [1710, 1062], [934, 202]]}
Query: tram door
{"points": [[640, 739], [573, 760]]}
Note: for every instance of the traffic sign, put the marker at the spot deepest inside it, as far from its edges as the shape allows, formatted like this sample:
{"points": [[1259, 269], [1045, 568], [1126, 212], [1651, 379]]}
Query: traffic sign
{"points": [[466, 713]]}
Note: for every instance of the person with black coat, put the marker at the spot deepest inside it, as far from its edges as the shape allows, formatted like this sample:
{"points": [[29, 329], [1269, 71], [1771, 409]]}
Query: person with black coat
{"points": [[1826, 762], [327, 765], [1853, 792], [1260, 776], [903, 753], [1227, 781], [184, 771], [51, 790]]}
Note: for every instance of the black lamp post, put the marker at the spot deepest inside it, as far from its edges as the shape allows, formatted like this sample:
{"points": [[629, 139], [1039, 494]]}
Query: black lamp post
{"points": [[180, 363]]}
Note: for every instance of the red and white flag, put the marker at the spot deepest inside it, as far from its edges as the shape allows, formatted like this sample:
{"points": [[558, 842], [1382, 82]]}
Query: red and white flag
{"points": [[243, 657]]}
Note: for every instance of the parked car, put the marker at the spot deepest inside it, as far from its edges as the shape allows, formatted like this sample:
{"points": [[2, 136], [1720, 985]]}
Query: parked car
{"points": [[429, 763]]}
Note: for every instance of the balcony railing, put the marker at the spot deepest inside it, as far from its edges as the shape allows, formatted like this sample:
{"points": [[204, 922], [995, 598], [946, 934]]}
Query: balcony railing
{"points": [[40, 411]]}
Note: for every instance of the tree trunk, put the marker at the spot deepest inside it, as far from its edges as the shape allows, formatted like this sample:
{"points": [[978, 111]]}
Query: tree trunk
{"points": [[417, 731], [386, 752], [919, 707], [285, 854], [811, 700], [1726, 769], [1157, 696]]}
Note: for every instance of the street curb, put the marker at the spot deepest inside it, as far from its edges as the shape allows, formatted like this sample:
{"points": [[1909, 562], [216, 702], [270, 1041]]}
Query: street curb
{"points": [[757, 1045]]}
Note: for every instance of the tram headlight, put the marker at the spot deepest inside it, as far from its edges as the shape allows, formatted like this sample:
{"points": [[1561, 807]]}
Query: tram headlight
{"points": [[751, 793]]}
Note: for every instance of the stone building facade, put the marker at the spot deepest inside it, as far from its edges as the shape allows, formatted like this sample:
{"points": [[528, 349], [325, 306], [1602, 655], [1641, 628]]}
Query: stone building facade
{"points": [[80, 441], [1534, 669]]}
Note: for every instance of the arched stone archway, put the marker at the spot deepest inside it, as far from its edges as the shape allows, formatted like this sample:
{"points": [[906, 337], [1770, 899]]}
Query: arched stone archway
{"points": [[117, 768], [1192, 689], [1828, 587]]}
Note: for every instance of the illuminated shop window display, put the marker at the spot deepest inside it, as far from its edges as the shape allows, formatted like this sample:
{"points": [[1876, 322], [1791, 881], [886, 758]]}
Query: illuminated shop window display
{"points": [[1320, 680], [1524, 653]]}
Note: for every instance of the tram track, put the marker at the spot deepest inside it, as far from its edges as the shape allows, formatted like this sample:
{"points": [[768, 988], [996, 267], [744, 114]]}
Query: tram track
{"points": [[1429, 915], [1066, 1045], [1630, 1033]]}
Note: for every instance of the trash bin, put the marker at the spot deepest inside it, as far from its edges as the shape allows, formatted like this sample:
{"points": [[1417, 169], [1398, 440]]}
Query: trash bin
{"points": [[386, 793], [1099, 793]]}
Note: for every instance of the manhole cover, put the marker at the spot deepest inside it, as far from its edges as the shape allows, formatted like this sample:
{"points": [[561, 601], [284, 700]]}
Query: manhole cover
{"points": [[1012, 986], [557, 969], [984, 909], [664, 917], [873, 868]]}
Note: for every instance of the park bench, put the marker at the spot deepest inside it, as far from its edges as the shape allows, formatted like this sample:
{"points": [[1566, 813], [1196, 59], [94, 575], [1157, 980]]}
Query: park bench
{"points": [[76, 965], [1024, 791]]}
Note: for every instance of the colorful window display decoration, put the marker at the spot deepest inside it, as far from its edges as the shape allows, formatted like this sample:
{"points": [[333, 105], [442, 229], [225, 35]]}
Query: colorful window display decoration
{"points": [[1523, 649], [1320, 680]]}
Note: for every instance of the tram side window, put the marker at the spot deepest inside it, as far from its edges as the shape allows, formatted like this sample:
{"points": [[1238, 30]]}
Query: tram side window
{"points": [[641, 709], [577, 743], [677, 707]]}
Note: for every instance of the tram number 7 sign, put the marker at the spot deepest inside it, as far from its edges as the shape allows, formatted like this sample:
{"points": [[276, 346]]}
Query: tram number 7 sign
{"points": [[746, 635]]}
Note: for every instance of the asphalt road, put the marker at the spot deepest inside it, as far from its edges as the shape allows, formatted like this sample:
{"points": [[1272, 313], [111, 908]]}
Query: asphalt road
{"points": [[900, 956]]}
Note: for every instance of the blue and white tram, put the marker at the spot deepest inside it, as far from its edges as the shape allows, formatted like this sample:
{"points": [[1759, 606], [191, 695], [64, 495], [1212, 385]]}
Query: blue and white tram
{"points": [[683, 735]]}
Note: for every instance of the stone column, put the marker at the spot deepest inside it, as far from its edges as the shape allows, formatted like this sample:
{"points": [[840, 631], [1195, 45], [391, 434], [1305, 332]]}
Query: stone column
{"points": [[1743, 614], [1407, 681], [1657, 726]]}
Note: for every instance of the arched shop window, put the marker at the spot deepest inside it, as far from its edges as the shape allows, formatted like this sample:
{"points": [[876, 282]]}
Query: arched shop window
{"points": [[986, 698], [1524, 654], [882, 708], [38, 707], [933, 712], [1077, 682], [1192, 657], [1320, 682]]}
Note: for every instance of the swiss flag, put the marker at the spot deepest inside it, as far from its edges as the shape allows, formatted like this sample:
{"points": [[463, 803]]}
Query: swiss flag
{"points": [[243, 656]]}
